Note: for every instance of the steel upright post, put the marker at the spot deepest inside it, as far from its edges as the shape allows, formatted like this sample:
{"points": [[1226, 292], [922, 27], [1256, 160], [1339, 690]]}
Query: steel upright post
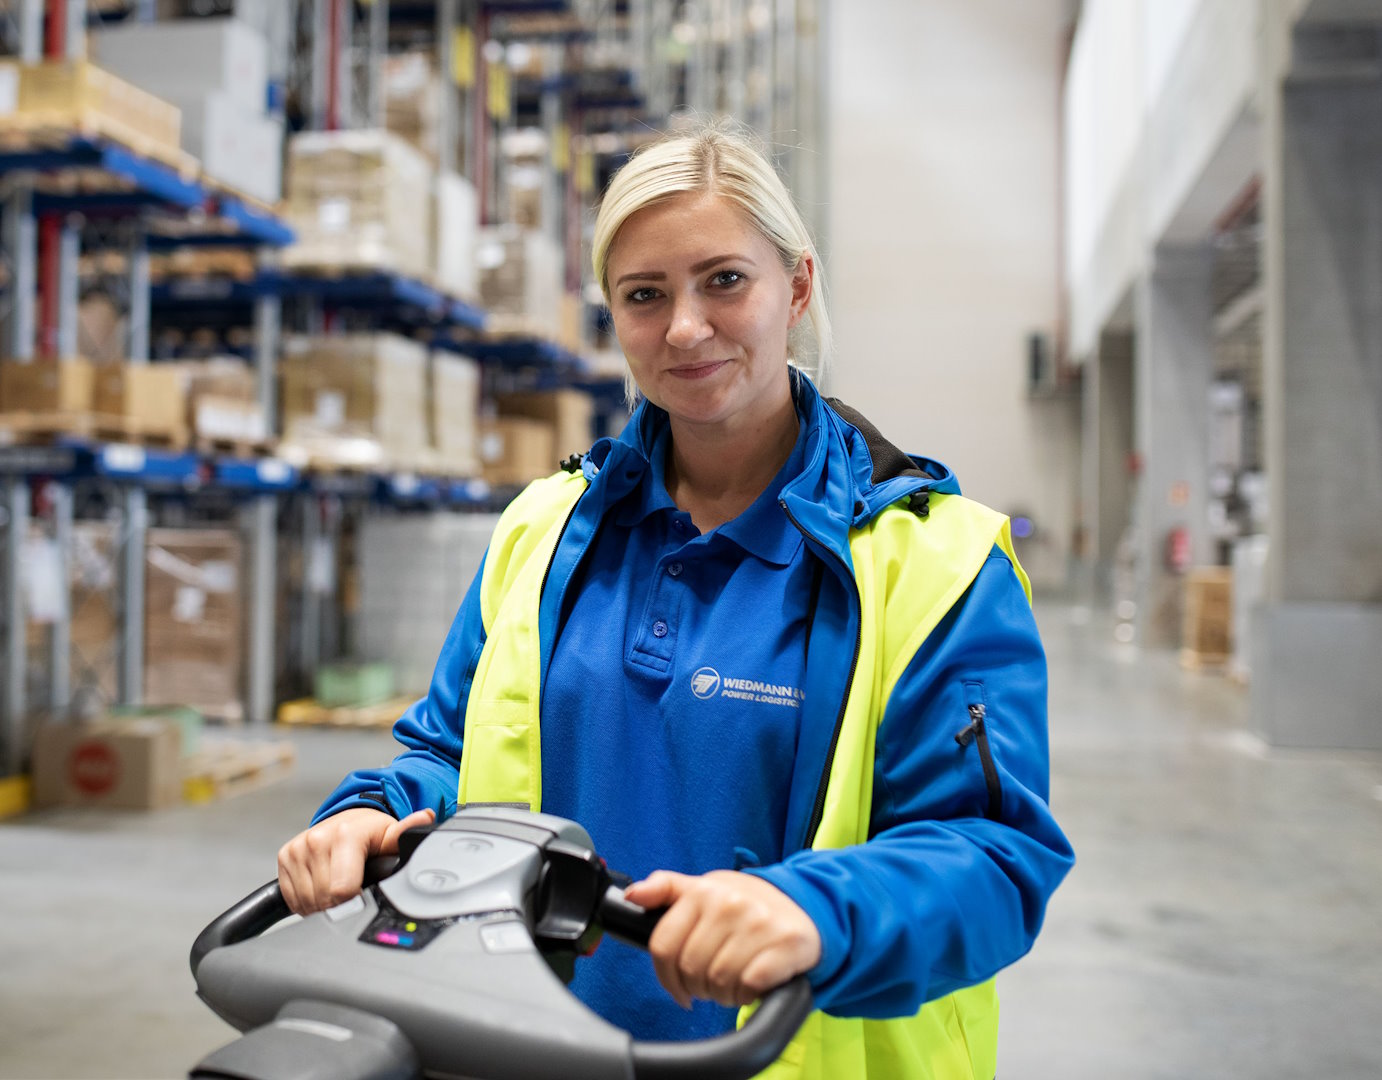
{"points": [[12, 696]]}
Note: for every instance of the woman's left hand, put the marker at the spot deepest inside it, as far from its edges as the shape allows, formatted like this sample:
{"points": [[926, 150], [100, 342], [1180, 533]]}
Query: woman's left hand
{"points": [[726, 937]]}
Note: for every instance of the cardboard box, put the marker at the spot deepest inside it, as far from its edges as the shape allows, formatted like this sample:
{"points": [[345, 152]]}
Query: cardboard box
{"points": [[46, 386], [153, 397], [194, 619], [371, 386], [412, 90], [94, 576], [77, 94], [187, 59], [359, 199], [515, 450], [240, 147], [125, 764], [522, 278], [569, 413], [457, 217], [455, 400]]}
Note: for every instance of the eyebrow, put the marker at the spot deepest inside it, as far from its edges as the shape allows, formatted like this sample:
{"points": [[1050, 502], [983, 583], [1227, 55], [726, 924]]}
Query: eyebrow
{"points": [[704, 264]]}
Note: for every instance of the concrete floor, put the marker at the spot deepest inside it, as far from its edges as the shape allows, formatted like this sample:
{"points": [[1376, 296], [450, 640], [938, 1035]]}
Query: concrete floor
{"points": [[1223, 920]]}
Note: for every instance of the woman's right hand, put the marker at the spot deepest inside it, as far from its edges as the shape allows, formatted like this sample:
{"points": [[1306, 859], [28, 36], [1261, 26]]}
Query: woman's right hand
{"points": [[325, 865]]}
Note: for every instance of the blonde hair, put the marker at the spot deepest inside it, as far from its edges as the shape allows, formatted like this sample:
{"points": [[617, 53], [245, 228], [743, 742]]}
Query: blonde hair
{"points": [[721, 159]]}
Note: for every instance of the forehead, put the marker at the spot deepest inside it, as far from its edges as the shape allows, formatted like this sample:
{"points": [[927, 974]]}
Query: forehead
{"points": [[686, 228]]}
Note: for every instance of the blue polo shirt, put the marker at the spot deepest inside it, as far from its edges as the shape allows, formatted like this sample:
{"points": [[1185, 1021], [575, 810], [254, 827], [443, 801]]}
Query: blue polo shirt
{"points": [[671, 708]]}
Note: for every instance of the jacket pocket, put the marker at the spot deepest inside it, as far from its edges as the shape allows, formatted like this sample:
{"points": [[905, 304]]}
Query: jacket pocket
{"points": [[976, 732]]}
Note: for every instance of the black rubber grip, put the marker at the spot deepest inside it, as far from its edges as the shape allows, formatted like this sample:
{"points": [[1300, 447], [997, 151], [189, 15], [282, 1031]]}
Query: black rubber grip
{"points": [[625, 919], [263, 908]]}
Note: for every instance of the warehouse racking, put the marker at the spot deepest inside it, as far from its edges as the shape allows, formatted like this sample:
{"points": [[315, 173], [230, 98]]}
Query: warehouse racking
{"points": [[595, 75]]}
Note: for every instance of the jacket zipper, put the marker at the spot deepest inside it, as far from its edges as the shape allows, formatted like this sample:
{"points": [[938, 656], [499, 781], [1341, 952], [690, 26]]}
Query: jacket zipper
{"points": [[818, 808], [977, 732], [542, 588]]}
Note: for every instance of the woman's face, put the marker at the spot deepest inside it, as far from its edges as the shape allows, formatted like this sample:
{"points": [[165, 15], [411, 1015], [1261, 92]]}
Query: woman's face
{"points": [[702, 305]]}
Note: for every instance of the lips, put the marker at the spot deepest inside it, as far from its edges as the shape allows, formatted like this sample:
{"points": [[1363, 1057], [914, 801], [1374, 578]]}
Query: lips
{"points": [[697, 371]]}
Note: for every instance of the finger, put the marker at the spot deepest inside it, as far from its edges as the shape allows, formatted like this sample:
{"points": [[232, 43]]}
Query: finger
{"points": [[659, 889], [346, 869], [667, 941], [389, 844], [715, 931], [285, 880]]}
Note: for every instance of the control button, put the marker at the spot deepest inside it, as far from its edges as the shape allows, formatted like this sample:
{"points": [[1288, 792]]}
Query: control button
{"points": [[659, 629], [675, 569], [353, 906], [384, 937], [506, 937], [434, 880], [410, 927]]}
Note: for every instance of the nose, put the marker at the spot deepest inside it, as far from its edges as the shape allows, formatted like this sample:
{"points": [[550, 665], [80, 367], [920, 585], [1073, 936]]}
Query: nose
{"points": [[689, 326]]}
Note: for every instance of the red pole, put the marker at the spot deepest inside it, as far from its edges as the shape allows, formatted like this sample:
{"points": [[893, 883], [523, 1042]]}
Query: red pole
{"points": [[55, 34], [49, 227], [49, 237], [333, 66]]}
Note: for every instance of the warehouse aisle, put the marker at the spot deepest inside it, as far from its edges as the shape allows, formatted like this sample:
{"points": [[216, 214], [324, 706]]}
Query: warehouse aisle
{"points": [[1221, 922]]}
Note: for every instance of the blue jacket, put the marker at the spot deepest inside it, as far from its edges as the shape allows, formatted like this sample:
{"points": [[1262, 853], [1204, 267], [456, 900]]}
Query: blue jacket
{"points": [[963, 853]]}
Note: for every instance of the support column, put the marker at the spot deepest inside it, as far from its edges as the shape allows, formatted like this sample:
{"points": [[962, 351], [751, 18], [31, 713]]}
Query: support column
{"points": [[1173, 367], [136, 527], [1316, 680], [60, 633], [12, 706]]}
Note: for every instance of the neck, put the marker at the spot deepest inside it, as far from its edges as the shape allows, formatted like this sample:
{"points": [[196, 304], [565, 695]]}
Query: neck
{"points": [[715, 474]]}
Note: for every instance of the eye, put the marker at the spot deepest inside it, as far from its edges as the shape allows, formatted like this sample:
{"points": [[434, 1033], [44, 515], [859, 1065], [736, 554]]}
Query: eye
{"points": [[641, 296], [725, 278]]}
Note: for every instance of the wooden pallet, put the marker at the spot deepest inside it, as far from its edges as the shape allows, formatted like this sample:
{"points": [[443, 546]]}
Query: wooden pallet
{"points": [[215, 445], [315, 264], [225, 767], [1196, 660], [44, 428], [305, 712], [54, 129]]}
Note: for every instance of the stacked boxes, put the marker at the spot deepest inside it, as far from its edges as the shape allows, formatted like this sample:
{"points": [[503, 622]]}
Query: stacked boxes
{"points": [[222, 401], [457, 215], [515, 450], [74, 94], [151, 398], [194, 620], [569, 413], [455, 402], [355, 398], [359, 199], [65, 386], [412, 92], [522, 277], [216, 71]]}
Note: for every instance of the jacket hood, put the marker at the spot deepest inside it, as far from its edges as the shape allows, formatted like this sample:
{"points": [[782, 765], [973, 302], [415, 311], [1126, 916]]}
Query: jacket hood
{"points": [[852, 472]]}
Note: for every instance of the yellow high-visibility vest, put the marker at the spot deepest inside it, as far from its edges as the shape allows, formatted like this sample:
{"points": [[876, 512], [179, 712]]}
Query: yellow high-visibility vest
{"points": [[908, 573]]}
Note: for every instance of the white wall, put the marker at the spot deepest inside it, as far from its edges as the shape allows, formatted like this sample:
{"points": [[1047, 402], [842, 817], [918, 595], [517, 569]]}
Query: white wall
{"points": [[943, 241], [1162, 135]]}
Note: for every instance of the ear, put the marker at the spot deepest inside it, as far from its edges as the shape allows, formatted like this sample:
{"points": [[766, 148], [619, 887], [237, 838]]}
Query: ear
{"points": [[803, 285]]}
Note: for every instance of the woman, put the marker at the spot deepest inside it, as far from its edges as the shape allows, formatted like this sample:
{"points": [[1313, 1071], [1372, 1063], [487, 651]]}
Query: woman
{"points": [[783, 673]]}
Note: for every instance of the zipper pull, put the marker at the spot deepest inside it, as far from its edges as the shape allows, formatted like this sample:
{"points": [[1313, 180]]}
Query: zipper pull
{"points": [[975, 728]]}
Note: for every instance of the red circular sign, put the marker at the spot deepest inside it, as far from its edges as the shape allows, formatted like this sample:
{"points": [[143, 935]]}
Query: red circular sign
{"points": [[93, 767]]}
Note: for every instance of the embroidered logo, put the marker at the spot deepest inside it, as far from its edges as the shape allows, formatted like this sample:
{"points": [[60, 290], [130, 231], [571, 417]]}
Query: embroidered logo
{"points": [[705, 682]]}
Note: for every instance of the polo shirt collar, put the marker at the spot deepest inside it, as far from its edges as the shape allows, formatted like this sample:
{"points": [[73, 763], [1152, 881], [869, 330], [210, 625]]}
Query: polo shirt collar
{"points": [[762, 530]]}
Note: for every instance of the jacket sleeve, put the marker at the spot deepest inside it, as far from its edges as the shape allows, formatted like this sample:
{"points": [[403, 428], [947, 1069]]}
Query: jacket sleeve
{"points": [[427, 773], [963, 851]]}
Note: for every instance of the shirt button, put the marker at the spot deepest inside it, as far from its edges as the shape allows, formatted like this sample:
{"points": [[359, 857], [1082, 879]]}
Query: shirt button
{"points": [[659, 629], [678, 524], [675, 569]]}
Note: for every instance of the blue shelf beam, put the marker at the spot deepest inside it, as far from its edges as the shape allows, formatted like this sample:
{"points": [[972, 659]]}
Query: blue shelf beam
{"points": [[146, 183]]}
